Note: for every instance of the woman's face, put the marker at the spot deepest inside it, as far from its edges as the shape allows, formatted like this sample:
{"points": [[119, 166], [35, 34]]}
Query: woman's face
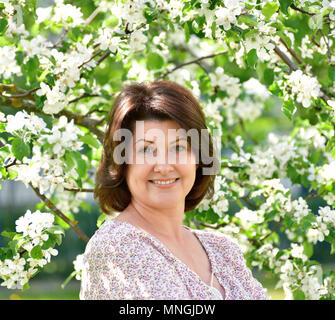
{"points": [[163, 167]]}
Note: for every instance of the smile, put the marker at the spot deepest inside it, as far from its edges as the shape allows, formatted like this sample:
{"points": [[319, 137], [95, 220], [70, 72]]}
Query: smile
{"points": [[164, 182]]}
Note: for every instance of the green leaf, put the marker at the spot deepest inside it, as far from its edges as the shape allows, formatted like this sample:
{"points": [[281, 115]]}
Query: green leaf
{"points": [[308, 249], [289, 108], [69, 161], [3, 174], [187, 32], [56, 230], [25, 286], [12, 174], [252, 58], [3, 26], [90, 140], [49, 243], [330, 238], [331, 73], [8, 234], [315, 21], [2, 127], [36, 252], [20, 149], [315, 156], [13, 245], [275, 89], [248, 20], [101, 219], [298, 295], [4, 153], [284, 5], [31, 67], [80, 163], [154, 61], [268, 76], [269, 9]]}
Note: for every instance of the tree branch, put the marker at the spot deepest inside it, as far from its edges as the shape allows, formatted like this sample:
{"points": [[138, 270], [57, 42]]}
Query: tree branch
{"points": [[293, 67], [90, 59], [60, 39], [286, 59], [272, 231], [79, 190], [78, 119], [51, 206], [246, 132], [301, 10], [197, 60], [84, 95], [292, 52], [86, 23], [92, 16]]}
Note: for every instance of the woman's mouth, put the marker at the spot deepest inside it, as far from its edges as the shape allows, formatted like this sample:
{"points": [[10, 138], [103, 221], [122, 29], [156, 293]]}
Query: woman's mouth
{"points": [[164, 183]]}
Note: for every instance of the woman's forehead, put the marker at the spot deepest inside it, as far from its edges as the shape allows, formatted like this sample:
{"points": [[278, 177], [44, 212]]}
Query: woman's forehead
{"points": [[158, 124], [152, 130]]}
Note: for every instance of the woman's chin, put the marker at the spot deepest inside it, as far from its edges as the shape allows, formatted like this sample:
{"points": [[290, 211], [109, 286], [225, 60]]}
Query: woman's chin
{"points": [[164, 202]]}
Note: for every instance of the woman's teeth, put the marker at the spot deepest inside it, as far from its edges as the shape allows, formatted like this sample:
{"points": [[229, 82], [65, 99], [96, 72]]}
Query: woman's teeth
{"points": [[163, 182]]}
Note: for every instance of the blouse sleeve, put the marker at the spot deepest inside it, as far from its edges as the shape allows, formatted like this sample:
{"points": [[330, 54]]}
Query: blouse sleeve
{"points": [[123, 271], [251, 285], [96, 280]]}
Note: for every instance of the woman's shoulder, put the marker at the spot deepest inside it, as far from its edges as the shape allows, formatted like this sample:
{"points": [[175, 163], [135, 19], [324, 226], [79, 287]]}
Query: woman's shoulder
{"points": [[219, 241], [114, 235]]}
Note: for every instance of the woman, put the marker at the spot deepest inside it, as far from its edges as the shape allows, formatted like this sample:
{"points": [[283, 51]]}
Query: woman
{"points": [[146, 252]]}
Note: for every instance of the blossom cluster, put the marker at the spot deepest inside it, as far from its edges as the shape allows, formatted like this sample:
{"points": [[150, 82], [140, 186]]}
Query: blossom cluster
{"points": [[43, 169], [296, 276], [303, 87], [33, 249], [24, 124]]}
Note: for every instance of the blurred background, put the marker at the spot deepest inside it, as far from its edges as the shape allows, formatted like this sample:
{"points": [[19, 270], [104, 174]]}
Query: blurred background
{"points": [[15, 200]]}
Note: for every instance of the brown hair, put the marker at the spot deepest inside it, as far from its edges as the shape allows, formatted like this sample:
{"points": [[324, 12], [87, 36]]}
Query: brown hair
{"points": [[159, 100]]}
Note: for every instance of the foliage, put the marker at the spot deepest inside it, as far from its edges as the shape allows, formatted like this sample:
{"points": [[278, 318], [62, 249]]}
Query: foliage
{"points": [[61, 67]]}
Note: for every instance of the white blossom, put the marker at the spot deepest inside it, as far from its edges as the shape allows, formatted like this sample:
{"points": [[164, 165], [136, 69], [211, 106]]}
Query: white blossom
{"points": [[67, 14], [32, 225], [35, 46], [297, 251], [249, 217], [43, 14], [137, 41], [304, 87], [263, 44], [226, 16], [78, 265], [107, 40], [22, 120], [300, 208], [8, 65], [327, 215], [226, 83], [56, 100]]}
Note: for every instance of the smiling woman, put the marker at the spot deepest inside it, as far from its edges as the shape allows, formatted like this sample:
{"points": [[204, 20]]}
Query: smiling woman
{"points": [[146, 252], [159, 101]]}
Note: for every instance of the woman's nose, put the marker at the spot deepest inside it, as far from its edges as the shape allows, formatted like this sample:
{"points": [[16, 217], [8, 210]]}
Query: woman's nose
{"points": [[163, 168]]}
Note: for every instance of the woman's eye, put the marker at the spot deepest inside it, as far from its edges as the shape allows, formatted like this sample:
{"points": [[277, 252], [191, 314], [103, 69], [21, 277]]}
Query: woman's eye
{"points": [[180, 148], [147, 149]]}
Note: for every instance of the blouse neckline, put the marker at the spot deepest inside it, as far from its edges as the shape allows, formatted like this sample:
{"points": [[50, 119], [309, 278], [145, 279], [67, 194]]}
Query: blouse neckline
{"points": [[172, 256]]}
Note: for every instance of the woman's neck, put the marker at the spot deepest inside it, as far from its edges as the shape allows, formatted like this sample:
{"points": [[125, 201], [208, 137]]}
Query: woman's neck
{"points": [[164, 222]]}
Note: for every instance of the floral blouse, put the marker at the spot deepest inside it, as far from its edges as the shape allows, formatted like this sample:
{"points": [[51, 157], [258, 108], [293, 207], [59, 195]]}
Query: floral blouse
{"points": [[122, 262]]}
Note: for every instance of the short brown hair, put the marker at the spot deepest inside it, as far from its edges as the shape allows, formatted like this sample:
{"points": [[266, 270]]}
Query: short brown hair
{"points": [[159, 100]]}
